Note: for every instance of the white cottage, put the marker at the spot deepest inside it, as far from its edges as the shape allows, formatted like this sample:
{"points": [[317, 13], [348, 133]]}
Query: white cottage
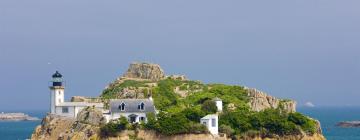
{"points": [[211, 122], [133, 109], [58, 105]]}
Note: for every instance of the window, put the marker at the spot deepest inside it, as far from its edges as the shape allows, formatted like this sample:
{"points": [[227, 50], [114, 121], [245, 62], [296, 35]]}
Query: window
{"points": [[122, 106], [213, 122], [142, 118], [141, 106], [65, 110], [204, 123]]}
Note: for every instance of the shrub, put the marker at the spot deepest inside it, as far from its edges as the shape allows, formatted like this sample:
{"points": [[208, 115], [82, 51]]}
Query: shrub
{"points": [[270, 121], [226, 129], [306, 124], [173, 123], [197, 128], [193, 114], [113, 127], [209, 107]]}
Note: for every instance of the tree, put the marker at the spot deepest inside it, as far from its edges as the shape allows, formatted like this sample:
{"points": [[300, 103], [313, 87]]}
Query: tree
{"points": [[209, 107]]}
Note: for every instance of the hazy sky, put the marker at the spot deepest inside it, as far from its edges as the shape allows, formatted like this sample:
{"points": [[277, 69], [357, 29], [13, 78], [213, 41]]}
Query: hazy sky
{"points": [[307, 50]]}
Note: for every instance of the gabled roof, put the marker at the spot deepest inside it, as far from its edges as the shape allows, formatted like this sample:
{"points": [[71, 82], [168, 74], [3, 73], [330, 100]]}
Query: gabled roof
{"points": [[210, 116], [131, 105]]}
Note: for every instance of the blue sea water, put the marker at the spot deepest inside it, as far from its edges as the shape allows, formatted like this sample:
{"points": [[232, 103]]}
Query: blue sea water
{"points": [[20, 130], [327, 116]]}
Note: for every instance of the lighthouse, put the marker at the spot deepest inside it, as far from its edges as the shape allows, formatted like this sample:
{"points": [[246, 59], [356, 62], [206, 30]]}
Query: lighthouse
{"points": [[56, 91]]}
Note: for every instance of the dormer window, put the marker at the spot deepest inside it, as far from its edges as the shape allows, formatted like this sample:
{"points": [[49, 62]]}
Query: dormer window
{"points": [[122, 106], [141, 106]]}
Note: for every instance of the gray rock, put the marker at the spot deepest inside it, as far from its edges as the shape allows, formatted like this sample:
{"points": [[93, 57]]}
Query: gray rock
{"points": [[145, 71], [91, 116], [260, 101], [349, 124]]}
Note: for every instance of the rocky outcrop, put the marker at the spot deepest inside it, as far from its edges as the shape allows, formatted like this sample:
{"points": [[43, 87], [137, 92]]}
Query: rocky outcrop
{"points": [[260, 101], [52, 127], [292, 137], [145, 71], [177, 77], [349, 124], [84, 127], [152, 135], [16, 117], [91, 116]]}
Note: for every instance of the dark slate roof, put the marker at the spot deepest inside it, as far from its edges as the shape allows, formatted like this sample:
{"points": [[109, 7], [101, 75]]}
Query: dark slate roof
{"points": [[131, 105]]}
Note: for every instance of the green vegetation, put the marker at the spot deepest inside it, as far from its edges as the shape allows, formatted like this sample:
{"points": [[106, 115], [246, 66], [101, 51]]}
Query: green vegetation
{"points": [[270, 121], [113, 127], [111, 92], [171, 124], [164, 95], [308, 125], [181, 115], [209, 107]]}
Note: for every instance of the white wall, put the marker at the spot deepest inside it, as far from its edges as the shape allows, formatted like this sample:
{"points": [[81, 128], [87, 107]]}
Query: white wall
{"points": [[77, 110], [71, 112], [219, 105], [114, 116], [208, 123], [56, 97]]}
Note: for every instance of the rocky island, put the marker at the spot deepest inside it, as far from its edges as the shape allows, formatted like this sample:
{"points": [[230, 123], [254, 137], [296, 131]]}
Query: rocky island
{"points": [[348, 124], [180, 104], [16, 117]]}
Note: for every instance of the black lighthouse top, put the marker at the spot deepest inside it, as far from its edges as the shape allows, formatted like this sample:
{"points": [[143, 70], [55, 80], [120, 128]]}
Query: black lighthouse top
{"points": [[56, 75], [57, 79]]}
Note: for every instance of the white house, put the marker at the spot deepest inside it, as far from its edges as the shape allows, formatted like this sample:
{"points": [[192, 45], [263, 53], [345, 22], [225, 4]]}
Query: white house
{"points": [[133, 109], [58, 105], [211, 122]]}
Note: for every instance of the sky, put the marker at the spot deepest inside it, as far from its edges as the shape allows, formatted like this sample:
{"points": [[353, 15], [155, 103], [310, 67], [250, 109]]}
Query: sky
{"points": [[306, 50]]}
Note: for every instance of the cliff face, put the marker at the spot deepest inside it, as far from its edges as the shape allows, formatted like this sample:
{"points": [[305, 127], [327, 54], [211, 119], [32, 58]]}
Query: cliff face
{"points": [[145, 71], [260, 101], [84, 127]]}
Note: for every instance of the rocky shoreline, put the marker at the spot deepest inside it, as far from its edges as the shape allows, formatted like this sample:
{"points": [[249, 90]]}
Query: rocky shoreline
{"points": [[16, 117]]}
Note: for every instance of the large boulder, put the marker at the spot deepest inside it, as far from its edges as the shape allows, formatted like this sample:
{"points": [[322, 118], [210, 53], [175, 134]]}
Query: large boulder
{"points": [[145, 71], [91, 116]]}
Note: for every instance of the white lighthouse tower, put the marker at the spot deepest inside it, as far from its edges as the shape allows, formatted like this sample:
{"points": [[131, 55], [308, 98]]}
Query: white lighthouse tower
{"points": [[56, 92]]}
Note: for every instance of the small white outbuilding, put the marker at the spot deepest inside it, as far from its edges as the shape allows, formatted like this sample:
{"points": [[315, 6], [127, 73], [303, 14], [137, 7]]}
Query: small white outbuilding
{"points": [[211, 122], [218, 103]]}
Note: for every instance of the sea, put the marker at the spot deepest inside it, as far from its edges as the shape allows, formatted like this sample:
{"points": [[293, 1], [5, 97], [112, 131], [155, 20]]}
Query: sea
{"points": [[328, 117]]}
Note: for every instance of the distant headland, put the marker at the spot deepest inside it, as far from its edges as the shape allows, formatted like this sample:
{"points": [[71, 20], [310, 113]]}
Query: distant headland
{"points": [[16, 117]]}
